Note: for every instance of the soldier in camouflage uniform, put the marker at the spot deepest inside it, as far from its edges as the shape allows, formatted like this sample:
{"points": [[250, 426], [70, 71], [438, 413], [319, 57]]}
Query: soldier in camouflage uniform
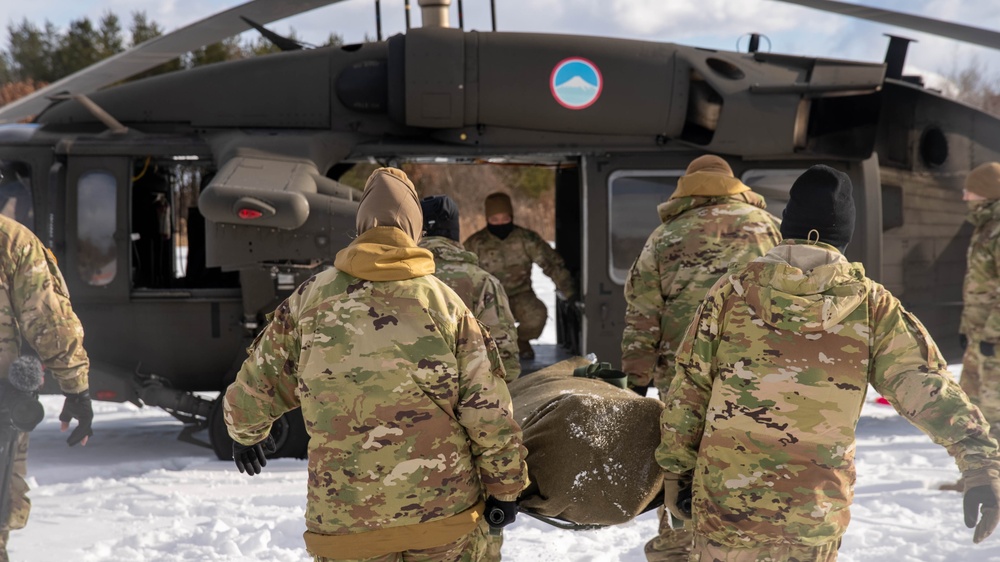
{"points": [[508, 251], [980, 326], [35, 309], [460, 270], [408, 415], [771, 377], [711, 222]]}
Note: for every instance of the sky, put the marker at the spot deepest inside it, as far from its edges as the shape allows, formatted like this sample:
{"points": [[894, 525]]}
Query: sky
{"points": [[715, 24]]}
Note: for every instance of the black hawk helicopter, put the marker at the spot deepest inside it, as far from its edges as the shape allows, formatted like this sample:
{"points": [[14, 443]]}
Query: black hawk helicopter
{"points": [[172, 292]]}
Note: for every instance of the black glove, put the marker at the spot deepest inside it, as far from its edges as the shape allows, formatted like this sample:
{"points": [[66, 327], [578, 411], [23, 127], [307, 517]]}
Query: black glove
{"points": [[251, 458], [963, 341], [640, 390], [981, 499], [78, 406], [499, 514]]}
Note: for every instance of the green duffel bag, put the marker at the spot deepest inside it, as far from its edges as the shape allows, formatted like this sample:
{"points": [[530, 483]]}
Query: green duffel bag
{"points": [[590, 444]]}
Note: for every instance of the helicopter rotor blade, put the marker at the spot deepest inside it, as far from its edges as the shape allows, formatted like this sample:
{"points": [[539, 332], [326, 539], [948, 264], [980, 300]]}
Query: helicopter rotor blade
{"points": [[159, 50], [280, 41], [959, 32]]}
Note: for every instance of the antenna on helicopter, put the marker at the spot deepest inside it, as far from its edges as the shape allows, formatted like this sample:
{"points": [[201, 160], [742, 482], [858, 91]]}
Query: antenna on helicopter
{"points": [[895, 55], [378, 20], [461, 17], [754, 45], [493, 13], [406, 10]]}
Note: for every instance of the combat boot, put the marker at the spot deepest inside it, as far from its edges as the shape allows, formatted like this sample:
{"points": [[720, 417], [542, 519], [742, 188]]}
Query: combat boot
{"points": [[524, 350]]}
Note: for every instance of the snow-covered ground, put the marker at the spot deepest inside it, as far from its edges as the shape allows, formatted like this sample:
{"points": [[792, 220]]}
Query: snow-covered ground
{"points": [[135, 493]]}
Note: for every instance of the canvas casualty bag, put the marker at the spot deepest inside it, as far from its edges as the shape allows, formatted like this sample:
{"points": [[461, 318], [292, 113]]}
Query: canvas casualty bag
{"points": [[590, 445]]}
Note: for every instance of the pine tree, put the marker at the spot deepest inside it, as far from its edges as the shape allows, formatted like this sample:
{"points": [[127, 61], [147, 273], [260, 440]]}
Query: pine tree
{"points": [[142, 30], [30, 51]]}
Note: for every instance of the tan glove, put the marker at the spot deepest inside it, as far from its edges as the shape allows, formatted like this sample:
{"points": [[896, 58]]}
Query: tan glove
{"points": [[982, 497], [677, 495]]}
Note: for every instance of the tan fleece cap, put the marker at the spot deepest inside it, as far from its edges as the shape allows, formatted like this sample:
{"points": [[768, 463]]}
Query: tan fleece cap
{"points": [[709, 164], [390, 200], [498, 203], [984, 180]]}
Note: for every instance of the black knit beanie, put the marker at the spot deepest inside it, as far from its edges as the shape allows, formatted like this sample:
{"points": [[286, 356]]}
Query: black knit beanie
{"points": [[821, 199], [440, 216]]}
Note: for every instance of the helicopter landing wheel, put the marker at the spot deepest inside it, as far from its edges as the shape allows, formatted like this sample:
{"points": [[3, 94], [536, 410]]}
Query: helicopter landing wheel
{"points": [[288, 432]]}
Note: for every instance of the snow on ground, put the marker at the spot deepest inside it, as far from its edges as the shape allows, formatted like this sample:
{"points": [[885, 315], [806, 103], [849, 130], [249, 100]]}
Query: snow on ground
{"points": [[135, 493]]}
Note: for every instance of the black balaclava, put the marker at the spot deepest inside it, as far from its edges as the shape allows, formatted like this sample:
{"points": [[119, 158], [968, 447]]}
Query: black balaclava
{"points": [[440, 216], [497, 203], [821, 199], [501, 231]]}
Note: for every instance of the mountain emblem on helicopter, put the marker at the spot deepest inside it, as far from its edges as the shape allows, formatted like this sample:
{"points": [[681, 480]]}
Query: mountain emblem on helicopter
{"points": [[576, 83]]}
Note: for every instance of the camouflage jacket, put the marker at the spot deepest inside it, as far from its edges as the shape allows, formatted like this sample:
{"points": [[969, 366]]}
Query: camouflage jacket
{"points": [[700, 238], [981, 290], [35, 307], [481, 292], [409, 421], [771, 378], [510, 260]]}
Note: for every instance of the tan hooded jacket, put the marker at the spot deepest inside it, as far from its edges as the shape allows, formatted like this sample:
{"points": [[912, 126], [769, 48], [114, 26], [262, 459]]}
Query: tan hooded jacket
{"points": [[409, 419]]}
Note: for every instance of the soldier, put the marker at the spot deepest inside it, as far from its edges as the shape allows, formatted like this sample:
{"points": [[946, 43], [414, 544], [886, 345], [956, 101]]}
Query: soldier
{"points": [[460, 270], [980, 328], [409, 419], [35, 308], [507, 251], [771, 377], [712, 221]]}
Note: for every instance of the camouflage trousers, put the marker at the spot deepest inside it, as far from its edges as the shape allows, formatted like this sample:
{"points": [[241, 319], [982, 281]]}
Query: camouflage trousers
{"points": [[470, 548], [671, 544], [493, 545], [708, 551], [20, 505], [981, 379], [530, 313]]}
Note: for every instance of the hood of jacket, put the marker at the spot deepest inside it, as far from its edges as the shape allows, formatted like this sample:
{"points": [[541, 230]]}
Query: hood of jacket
{"points": [[982, 212], [448, 250], [384, 253], [677, 206], [390, 199], [802, 287]]}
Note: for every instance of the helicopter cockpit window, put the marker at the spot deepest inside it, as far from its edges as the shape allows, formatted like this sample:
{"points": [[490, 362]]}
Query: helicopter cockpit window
{"points": [[774, 185], [15, 192], [95, 228], [632, 199]]}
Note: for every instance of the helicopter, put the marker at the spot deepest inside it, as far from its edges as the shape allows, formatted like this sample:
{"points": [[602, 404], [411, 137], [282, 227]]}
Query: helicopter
{"points": [[184, 207]]}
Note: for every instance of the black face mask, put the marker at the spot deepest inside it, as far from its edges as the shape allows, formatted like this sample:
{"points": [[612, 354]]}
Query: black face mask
{"points": [[501, 231]]}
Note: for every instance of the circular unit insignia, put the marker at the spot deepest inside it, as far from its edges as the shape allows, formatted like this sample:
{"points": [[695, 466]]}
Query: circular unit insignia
{"points": [[576, 83]]}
